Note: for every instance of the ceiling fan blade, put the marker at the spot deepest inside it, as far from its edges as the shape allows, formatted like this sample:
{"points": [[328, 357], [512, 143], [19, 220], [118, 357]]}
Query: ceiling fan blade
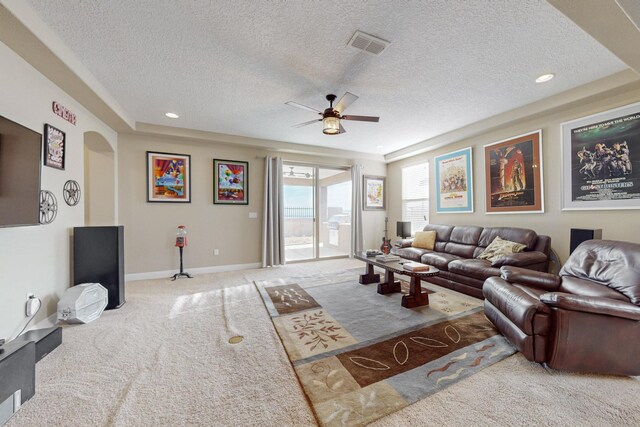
{"points": [[361, 118], [342, 129], [304, 107], [299, 125], [346, 100]]}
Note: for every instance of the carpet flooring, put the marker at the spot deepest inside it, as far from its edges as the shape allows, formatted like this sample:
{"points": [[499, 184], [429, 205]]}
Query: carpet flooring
{"points": [[164, 359]]}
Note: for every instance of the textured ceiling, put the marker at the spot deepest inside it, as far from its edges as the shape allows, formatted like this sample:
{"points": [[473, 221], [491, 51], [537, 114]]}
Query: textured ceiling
{"points": [[229, 66]]}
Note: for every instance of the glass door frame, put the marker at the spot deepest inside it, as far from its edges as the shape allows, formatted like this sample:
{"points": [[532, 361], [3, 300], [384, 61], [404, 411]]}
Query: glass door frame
{"points": [[316, 206]]}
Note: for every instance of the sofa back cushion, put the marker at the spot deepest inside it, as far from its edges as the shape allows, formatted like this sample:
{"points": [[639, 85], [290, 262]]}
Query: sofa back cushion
{"points": [[465, 251], [466, 234], [443, 232], [610, 263], [518, 235]]}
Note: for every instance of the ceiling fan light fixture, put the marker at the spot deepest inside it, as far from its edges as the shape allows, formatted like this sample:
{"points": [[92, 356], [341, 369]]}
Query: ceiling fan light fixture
{"points": [[331, 125]]}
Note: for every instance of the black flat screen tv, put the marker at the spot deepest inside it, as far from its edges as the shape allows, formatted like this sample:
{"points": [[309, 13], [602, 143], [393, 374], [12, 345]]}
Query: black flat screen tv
{"points": [[20, 160]]}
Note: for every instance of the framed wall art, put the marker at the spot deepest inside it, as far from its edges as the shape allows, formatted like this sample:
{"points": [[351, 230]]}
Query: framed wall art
{"points": [[230, 182], [373, 193], [601, 160], [168, 177], [54, 147], [454, 182], [513, 170]]}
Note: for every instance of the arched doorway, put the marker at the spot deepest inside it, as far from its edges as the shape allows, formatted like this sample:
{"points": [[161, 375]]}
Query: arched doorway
{"points": [[100, 207]]}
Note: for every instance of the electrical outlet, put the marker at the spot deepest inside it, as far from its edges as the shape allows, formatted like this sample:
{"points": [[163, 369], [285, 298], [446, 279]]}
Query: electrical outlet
{"points": [[32, 306], [216, 252]]}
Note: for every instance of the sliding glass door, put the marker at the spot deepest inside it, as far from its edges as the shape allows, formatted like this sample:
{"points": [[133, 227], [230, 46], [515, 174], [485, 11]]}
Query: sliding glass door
{"points": [[317, 211], [334, 212]]}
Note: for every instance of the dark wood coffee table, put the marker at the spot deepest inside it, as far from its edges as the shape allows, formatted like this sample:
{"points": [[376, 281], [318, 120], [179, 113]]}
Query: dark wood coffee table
{"points": [[414, 298]]}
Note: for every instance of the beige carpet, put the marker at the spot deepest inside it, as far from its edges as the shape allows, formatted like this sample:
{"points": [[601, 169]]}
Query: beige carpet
{"points": [[164, 359]]}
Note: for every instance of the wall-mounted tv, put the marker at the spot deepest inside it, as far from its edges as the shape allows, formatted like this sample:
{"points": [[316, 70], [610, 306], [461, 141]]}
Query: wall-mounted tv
{"points": [[20, 160]]}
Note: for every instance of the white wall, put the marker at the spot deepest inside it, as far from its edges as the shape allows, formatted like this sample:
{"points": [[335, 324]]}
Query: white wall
{"points": [[38, 259]]}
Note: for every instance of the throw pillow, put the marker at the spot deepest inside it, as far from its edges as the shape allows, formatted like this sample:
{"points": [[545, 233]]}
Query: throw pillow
{"points": [[499, 248], [424, 240]]}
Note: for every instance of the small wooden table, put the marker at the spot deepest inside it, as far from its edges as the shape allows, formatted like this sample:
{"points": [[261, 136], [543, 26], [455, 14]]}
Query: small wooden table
{"points": [[414, 298]]}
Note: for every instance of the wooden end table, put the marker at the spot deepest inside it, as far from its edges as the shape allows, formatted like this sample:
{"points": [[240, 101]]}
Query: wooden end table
{"points": [[415, 297]]}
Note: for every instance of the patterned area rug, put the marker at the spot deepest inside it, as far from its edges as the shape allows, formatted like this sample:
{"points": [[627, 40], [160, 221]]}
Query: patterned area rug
{"points": [[360, 355]]}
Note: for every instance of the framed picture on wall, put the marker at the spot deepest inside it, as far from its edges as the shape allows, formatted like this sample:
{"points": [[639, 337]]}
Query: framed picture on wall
{"points": [[454, 182], [601, 160], [513, 170], [373, 193], [54, 147], [168, 177], [230, 182]]}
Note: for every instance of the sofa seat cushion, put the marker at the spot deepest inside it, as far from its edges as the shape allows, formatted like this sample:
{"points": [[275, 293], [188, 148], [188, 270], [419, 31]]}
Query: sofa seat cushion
{"points": [[477, 268], [439, 260], [414, 254], [588, 288]]}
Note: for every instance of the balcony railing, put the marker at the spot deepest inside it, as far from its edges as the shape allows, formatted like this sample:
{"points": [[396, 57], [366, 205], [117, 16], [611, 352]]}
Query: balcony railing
{"points": [[297, 212]]}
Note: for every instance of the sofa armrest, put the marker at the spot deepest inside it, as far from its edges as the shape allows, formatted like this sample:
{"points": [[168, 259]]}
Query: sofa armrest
{"points": [[595, 305], [520, 259], [404, 243], [537, 279]]}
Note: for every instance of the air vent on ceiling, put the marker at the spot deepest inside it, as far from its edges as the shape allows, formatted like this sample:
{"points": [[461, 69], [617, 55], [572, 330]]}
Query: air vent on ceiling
{"points": [[368, 43]]}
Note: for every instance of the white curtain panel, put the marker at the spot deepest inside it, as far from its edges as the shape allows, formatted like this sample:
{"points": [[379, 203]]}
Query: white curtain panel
{"points": [[273, 224], [357, 237]]}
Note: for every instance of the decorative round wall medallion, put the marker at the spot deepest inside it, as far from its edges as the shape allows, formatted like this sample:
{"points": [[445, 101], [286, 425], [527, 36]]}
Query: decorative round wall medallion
{"points": [[71, 192], [48, 207]]}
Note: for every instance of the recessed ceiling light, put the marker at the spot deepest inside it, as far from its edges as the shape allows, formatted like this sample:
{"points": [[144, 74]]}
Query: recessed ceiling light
{"points": [[380, 146], [545, 78], [172, 115]]}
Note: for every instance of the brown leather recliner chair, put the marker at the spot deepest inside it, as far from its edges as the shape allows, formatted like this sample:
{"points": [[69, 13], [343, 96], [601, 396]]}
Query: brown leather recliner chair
{"points": [[586, 319]]}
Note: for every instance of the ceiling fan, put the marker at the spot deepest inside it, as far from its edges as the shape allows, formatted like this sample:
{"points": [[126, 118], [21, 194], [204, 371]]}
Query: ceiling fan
{"points": [[331, 116]]}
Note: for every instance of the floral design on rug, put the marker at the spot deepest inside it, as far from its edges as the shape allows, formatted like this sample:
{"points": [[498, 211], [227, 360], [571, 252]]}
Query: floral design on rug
{"points": [[316, 327]]}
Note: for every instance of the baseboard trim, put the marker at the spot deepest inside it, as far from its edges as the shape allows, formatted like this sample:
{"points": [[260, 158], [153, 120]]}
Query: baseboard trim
{"points": [[201, 270]]}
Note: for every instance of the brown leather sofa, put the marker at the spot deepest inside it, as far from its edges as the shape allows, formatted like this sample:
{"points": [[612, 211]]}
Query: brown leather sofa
{"points": [[586, 319], [457, 247]]}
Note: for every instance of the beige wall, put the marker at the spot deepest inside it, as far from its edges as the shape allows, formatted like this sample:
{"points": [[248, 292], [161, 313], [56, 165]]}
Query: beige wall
{"points": [[615, 224], [38, 258], [100, 207], [150, 227]]}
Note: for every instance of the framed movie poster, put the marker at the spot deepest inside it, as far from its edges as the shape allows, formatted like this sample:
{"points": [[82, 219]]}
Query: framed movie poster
{"points": [[454, 182], [601, 160], [168, 177], [54, 147], [373, 193], [230, 182], [514, 175]]}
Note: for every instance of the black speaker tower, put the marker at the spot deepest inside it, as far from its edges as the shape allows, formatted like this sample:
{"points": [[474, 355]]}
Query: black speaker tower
{"points": [[98, 257], [579, 235]]}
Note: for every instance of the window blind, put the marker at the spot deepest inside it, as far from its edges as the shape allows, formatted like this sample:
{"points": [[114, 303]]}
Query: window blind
{"points": [[415, 196]]}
